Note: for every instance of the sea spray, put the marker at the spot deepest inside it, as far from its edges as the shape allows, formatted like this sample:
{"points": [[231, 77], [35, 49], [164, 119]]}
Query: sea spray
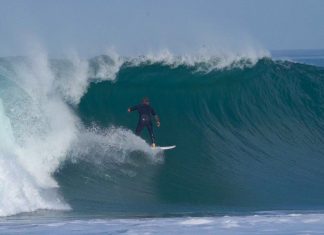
{"points": [[39, 127]]}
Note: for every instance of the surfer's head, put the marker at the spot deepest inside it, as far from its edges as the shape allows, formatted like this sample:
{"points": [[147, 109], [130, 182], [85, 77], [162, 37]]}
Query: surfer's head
{"points": [[145, 100]]}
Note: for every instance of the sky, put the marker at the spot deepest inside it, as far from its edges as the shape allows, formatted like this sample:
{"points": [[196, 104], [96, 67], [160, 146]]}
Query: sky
{"points": [[137, 26]]}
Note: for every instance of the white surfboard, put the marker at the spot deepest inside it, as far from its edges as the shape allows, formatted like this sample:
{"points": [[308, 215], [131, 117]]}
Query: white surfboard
{"points": [[164, 147]]}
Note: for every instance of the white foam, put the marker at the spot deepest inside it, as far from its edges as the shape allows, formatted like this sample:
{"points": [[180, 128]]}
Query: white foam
{"points": [[229, 223], [109, 71], [39, 128], [19, 188], [196, 221], [205, 59], [74, 82], [113, 144], [261, 224]]}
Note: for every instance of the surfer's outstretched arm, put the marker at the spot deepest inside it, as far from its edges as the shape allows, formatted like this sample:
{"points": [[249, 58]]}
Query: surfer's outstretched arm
{"points": [[131, 109]]}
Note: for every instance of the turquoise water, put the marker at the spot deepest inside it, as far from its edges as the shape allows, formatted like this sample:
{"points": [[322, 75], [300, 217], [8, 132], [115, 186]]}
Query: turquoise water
{"points": [[245, 138]]}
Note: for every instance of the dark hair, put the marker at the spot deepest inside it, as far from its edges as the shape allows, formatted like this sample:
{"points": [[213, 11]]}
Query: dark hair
{"points": [[145, 99]]}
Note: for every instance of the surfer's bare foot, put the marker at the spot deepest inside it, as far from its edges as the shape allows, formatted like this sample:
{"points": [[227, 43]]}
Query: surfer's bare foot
{"points": [[153, 145]]}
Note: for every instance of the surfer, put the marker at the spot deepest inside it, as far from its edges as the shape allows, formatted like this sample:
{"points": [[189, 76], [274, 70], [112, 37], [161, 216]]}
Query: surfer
{"points": [[146, 112]]}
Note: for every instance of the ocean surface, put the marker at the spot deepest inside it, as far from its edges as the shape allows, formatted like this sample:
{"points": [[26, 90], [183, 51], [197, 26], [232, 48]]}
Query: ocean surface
{"points": [[249, 131]]}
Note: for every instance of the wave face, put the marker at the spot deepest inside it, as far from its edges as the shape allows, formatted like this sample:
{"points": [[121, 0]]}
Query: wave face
{"points": [[249, 135]]}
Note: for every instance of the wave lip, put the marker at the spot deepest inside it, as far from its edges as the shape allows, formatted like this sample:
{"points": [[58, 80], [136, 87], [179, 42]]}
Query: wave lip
{"points": [[106, 67], [204, 60]]}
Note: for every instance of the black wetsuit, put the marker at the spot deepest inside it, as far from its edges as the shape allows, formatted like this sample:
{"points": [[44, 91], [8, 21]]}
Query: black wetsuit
{"points": [[145, 119]]}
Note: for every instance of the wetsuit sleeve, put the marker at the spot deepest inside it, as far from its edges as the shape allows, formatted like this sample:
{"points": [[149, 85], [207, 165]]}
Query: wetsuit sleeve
{"points": [[133, 108]]}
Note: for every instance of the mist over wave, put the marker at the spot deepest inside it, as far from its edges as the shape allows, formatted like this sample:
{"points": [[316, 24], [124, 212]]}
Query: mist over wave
{"points": [[248, 132]]}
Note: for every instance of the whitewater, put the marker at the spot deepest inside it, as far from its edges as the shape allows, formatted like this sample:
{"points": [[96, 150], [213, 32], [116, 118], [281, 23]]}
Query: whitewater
{"points": [[39, 129], [248, 130]]}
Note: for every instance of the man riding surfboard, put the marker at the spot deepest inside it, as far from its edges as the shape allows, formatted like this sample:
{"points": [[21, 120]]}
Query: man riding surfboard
{"points": [[146, 112]]}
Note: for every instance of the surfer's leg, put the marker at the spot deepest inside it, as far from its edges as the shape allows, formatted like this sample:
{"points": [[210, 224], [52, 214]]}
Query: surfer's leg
{"points": [[139, 128], [151, 133]]}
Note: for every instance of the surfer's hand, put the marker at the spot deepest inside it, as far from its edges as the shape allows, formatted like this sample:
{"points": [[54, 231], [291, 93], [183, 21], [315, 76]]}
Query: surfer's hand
{"points": [[129, 110], [158, 124]]}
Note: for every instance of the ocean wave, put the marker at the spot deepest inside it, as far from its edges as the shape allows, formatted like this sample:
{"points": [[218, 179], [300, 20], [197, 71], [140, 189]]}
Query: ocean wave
{"points": [[244, 126]]}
